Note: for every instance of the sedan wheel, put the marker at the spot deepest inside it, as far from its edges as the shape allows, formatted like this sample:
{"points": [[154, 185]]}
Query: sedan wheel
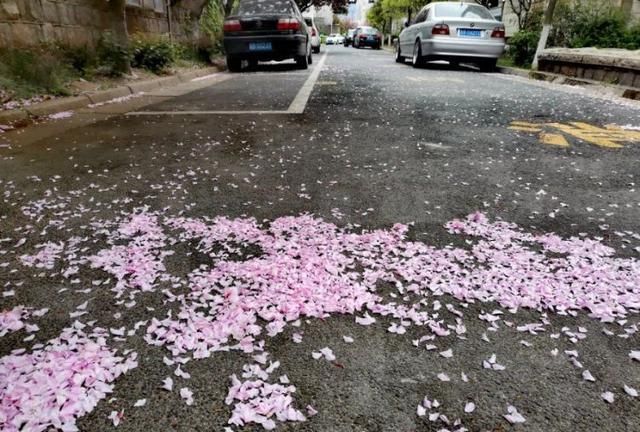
{"points": [[234, 64], [416, 60], [399, 57], [302, 62]]}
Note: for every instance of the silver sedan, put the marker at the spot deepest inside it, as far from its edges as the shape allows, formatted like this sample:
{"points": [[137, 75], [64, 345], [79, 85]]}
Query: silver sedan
{"points": [[455, 32]]}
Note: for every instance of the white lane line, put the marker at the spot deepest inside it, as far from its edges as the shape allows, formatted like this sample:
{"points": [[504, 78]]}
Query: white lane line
{"points": [[156, 113], [297, 106], [300, 102]]}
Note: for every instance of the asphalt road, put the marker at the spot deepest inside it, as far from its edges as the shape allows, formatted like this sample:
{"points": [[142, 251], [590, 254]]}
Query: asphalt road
{"points": [[378, 144]]}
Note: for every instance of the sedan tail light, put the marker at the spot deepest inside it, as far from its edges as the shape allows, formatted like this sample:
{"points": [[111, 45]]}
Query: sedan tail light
{"points": [[285, 24], [232, 26], [440, 29], [498, 32]]}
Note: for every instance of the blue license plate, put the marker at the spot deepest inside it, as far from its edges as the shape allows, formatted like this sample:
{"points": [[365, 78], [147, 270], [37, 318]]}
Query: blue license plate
{"points": [[469, 33], [260, 46]]}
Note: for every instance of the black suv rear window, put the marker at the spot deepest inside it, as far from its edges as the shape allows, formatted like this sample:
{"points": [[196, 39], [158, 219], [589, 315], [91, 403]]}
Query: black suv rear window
{"points": [[262, 7]]}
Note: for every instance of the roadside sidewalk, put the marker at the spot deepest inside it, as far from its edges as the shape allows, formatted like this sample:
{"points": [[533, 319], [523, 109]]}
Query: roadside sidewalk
{"points": [[101, 97]]}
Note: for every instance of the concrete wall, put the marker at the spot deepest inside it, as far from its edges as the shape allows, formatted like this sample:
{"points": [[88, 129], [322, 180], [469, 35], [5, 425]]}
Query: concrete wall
{"points": [[28, 22], [78, 22]]}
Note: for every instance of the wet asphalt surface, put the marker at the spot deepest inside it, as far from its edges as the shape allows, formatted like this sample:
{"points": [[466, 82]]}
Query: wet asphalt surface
{"points": [[383, 143]]}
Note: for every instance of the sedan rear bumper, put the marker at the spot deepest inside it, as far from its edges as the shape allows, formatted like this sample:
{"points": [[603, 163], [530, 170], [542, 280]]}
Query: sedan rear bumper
{"points": [[367, 42], [283, 46], [443, 48]]}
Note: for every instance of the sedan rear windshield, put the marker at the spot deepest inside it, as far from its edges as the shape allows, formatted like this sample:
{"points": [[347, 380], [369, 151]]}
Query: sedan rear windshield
{"points": [[369, 30], [263, 7], [461, 10]]}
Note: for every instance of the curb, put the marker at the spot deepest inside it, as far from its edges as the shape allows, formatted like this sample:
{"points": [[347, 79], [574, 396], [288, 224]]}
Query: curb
{"points": [[57, 105], [49, 107], [107, 95], [620, 91], [513, 71]]}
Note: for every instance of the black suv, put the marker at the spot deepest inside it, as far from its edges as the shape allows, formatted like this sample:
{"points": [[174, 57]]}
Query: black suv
{"points": [[261, 30]]}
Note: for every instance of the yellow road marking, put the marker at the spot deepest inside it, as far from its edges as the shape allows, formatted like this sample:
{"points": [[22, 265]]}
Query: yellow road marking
{"points": [[609, 136], [524, 123], [553, 139], [588, 133], [524, 129]]}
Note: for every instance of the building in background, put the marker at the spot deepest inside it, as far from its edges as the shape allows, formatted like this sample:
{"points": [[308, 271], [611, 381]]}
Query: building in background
{"points": [[323, 17], [357, 12]]}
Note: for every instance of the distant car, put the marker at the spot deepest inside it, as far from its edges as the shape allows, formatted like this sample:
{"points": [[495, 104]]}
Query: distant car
{"points": [[332, 39], [259, 30], [348, 40], [367, 36], [315, 34], [455, 32], [339, 39]]}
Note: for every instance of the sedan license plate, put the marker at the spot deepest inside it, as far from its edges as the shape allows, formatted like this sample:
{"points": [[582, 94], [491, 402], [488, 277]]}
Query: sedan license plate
{"points": [[474, 33], [260, 46]]}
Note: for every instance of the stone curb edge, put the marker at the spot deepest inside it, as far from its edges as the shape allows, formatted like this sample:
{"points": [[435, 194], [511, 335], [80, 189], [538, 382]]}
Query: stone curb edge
{"points": [[76, 102], [621, 91]]}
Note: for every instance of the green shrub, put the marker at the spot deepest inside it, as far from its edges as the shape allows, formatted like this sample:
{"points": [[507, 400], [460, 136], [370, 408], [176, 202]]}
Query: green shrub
{"points": [[597, 28], [522, 47], [593, 24], [83, 59], [154, 54], [113, 57], [25, 73], [633, 36]]}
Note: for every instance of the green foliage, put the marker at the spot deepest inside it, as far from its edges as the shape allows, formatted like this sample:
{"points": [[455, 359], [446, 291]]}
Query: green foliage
{"points": [[379, 17], [576, 25], [113, 58], [152, 53], [211, 23], [522, 47], [28, 72], [593, 24], [83, 59]]}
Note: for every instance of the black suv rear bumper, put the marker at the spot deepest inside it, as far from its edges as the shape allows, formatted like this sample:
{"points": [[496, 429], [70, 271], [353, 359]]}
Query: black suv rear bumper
{"points": [[282, 47]]}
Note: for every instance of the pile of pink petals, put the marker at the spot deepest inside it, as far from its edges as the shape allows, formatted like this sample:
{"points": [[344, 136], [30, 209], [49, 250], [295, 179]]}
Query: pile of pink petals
{"points": [[46, 257], [311, 269], [55, 384], [13, 319], [259, 279], [257, 401]]}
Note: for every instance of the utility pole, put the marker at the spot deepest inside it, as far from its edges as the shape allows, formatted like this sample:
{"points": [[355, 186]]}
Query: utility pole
{"points": [[169, 25], [547, 22]]}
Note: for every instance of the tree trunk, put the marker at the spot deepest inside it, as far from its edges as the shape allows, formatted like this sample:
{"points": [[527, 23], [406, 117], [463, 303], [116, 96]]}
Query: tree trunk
{"points": [[118, 21], [627, 6], [118, 28], [546, 28]]}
